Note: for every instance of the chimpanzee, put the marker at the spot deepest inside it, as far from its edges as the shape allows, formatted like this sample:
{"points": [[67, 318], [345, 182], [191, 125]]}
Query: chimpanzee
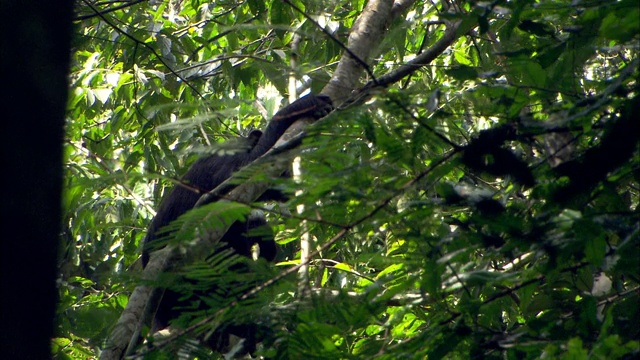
{"points": [[209, 172], [185, 195]]}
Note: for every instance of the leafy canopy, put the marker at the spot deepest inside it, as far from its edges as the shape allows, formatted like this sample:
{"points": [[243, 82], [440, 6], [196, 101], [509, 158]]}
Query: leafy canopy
{"points": [[485, 206]]}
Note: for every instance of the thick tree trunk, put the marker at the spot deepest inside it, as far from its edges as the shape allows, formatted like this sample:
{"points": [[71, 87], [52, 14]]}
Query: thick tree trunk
{"points": [[35, 62]]}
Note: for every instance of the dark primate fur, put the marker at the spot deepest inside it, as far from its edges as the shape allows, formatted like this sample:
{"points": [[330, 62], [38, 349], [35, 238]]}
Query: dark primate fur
{"points": [[209, 172]]}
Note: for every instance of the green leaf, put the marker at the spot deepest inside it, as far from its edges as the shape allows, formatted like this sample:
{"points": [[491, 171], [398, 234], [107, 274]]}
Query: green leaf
{"points": [[257, 7], [462, 73]]}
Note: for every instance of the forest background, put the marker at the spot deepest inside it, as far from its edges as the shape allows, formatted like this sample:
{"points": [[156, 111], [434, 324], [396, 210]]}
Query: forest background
{"points": [[474, 194]]}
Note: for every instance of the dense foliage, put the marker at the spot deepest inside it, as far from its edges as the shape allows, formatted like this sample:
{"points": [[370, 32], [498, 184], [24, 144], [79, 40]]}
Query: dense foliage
{"points": [[484, 206]]}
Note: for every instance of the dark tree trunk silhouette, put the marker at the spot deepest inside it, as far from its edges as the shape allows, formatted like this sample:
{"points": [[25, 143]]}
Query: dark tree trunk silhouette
{"points": [[35, 61]]}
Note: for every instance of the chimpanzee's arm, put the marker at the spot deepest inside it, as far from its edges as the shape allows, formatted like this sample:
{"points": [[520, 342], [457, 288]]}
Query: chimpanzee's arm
{"points": [[315, 106]]}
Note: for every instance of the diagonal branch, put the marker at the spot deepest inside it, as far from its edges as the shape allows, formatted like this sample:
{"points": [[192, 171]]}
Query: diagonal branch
{"points": [[366, 35]]}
